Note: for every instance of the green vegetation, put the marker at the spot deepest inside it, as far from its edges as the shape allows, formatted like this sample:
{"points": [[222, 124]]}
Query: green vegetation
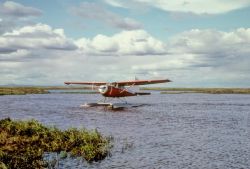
{"points": [[22, 90], [86, 90], [43, 90], [23, 144], [201, 90]]}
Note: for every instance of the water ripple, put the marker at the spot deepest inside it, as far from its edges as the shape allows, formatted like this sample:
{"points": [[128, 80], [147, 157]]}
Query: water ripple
{"points": [[173, 131]]}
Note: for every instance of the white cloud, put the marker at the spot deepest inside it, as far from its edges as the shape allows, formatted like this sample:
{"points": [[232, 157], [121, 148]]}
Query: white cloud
{"points": [[190, 6], [10, 8], [103, 43], [212, 43], [204, 57], [17, 56], [137, 42], [115, 3], [13, 14], [95, 11], [36, 36], [192, 58], [32, 54]]}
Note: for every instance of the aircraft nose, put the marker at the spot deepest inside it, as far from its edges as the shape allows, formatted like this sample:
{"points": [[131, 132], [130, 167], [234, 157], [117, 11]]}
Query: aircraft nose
{"points": [[102, 89]]}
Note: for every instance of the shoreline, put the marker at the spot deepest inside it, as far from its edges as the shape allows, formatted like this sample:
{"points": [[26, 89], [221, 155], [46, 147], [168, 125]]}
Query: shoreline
{"points": [[22, 90]]}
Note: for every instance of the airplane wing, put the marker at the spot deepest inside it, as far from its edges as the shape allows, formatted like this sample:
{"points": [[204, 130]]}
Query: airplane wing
{"points": [[123, 83], [86, 83], [141, 82]]}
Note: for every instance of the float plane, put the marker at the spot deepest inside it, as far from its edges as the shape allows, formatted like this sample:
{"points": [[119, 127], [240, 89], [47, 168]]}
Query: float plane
{"points": [[117, 90]]}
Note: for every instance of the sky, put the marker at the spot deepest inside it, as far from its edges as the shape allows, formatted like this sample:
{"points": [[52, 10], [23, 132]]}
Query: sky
{"points": [[194, 43]]}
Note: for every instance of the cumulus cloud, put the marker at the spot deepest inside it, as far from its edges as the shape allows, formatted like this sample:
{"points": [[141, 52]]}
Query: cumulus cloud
{"points": [[213, 46], [35, 37], [196, 57], [201, 57], [137, 42], [19, 55], [95, 11], [211, 56], [33, 51], [194, 6], [30, 54]]}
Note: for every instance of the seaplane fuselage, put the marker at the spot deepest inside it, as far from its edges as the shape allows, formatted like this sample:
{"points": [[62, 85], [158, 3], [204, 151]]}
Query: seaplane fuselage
{"points": [[112, 91]]}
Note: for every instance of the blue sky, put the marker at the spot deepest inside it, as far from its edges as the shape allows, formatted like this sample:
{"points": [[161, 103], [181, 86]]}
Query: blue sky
{"points": [[158, 22], [194, 43]]}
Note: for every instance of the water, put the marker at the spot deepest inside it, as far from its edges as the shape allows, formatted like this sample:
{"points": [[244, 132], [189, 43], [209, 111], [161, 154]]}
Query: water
{"points": [[189, 131]]}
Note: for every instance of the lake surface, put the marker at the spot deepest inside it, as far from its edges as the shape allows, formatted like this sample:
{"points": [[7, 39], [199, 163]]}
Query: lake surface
{"points": [[179, 131]]}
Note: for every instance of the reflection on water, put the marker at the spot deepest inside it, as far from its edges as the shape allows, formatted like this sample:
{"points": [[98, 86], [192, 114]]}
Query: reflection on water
{"points": [[173, 131]]}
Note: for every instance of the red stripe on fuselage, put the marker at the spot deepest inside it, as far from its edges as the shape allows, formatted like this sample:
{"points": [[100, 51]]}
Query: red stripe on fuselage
{"points": [[117, 92]]}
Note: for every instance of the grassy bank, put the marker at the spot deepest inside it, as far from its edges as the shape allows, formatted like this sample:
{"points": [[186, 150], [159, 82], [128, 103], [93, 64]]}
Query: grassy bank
{"points": [[22, 90], [43, 90], [201, 90], [23, 143], [86, 90]]}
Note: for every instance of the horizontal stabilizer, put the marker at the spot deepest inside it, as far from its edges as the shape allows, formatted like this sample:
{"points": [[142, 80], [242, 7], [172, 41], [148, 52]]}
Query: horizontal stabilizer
{"points": [[142, 93]]}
